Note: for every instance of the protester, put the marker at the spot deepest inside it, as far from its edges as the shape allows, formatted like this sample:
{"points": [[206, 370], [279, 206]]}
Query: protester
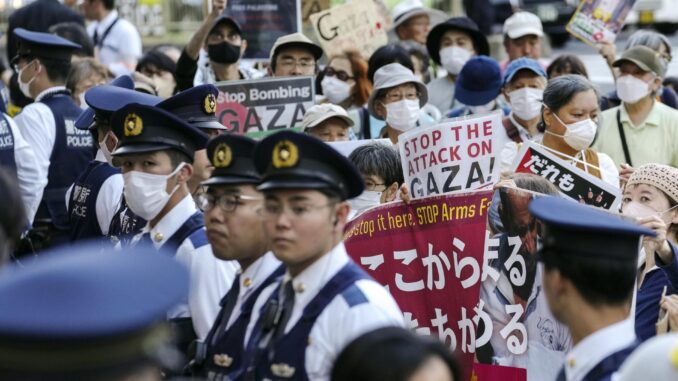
{"points": [[10, 217], [160, 68], [294, 54], [420, 59], [590, 260], [478, 87], [74, 32], [566, 64], [640, 130], [117, 43], [654, 360], [671, 83], [651, 197], [85, 74], [524, 84], [306, 184], [523, 36], [327, 122], [412, 21], [397, 98], [410, 357], [382, 172], [451, 44], [391, 53]]}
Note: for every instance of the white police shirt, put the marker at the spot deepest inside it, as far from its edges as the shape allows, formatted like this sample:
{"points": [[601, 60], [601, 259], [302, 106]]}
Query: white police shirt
{"points": [[338, 324], [121, 48], [211, 278], [109, 197], [32, 177]]}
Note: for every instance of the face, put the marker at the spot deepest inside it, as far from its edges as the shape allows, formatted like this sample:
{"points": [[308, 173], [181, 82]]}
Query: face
{"points": [[29, 68], [202, 168], [156, 163], [629, 68], [224, 32], [292, 61], [525, 224], [524, 79], [378, 184], [301, 225], [90, 8], [162, 80], [331, 130], [650, 199], [416, 28], [526, 46], [458, 39], [111, 140], [434, 369], [341, 69], [396, 94], [582, 106], [236, 234]]}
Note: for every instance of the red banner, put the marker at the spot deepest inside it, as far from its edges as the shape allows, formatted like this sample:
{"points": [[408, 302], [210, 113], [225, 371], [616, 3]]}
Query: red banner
{"points": [[429, 254]]}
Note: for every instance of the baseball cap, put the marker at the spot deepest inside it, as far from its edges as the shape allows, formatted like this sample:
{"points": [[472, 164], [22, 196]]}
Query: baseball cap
{"points": [[522, 24], [646, 59], [320, 113]]}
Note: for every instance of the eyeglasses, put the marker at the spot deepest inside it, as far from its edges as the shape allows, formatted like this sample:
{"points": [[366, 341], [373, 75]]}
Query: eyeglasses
{"points": [[290, 63], [274, 209], [371, 186], [395, 96], [340, 74], [18, 58], [227, 202]]}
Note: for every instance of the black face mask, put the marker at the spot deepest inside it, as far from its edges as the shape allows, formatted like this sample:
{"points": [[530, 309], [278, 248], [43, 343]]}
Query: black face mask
{"points": [[224, 52]]}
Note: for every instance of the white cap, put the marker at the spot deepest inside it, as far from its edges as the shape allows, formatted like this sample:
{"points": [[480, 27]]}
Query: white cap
{"points": [[392, 75], [320, 113], [296, 39], [656, 359], [522, 24], [407, 9]]}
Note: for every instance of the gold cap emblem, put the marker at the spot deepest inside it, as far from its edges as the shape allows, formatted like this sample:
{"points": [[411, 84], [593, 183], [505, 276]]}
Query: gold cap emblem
{"points": [[210, 104], [285, 154], [222, 156], [282, 370], [133, 125]]}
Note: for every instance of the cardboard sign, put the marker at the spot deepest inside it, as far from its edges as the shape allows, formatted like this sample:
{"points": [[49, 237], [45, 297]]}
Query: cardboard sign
{"points": [[570, 180], [355, 25], [596, 21], [263, 21], [458, 155], [429, 255], [264, 104]]}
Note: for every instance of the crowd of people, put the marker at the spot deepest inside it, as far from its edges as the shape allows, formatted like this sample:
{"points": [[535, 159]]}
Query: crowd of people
{"points": [[142, 239]]}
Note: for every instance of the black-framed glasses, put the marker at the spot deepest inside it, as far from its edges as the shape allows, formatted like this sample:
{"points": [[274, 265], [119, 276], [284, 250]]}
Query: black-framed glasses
{"points": [[227, 202], [371, 185], [340, 74]]}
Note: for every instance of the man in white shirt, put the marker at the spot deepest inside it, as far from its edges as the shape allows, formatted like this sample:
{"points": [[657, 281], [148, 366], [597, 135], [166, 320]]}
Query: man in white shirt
{"points": [[325, 300], [117, 43]]}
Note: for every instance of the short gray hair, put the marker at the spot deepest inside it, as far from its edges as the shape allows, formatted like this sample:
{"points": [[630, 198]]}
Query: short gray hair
{"points": [[651, 39], [560, 91]]}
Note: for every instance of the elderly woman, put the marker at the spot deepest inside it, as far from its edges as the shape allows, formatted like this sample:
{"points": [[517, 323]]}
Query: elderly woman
{"points": [[651, 197], [397, 98]]}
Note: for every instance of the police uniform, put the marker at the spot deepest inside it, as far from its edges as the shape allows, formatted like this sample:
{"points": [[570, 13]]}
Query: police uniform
{"points": [[71, 315], [96, 195], [197, 106], [48, 125], [586, 232], [231, 156], [181, 232], [333, 300]]}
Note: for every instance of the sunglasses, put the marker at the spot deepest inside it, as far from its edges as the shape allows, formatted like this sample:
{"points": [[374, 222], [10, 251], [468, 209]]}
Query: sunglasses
{"points": [[340, 74]]}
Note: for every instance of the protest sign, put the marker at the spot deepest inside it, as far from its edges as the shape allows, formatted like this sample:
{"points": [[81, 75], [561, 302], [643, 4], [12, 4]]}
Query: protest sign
{"points": [[264, 104], [309, 7], [596, 21], [263, 21], [455, 156], [484, 372], [354, 25], [520, 331], [429, 255], [570, 180]]}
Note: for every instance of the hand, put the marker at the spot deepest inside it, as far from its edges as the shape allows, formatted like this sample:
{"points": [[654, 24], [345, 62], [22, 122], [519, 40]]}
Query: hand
{"points": [[405, 195], [625, 172], [218, 7], [608, 51], [657, 244], [669, 303]]}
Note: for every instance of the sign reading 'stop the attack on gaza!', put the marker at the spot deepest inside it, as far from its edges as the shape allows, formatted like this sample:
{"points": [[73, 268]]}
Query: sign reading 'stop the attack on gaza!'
{"points": [[264, 104]]}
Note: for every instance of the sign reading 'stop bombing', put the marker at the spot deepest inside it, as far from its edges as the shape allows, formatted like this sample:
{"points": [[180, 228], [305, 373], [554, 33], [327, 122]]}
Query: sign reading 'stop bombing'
{"points": [[264, 104]]}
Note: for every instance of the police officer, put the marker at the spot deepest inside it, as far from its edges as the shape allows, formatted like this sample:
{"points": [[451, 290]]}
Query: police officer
{"points": [[155, 150], [197, 106], [62, 151], [590, 260], [232, 208], [96, 196], [325, 300], [75, 316]]}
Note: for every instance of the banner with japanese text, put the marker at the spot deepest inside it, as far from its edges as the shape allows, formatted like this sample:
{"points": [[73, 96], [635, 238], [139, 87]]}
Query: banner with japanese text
{"points": [[429, 255], [455, 156], [264, 104], [570, 180], [596, 21]]}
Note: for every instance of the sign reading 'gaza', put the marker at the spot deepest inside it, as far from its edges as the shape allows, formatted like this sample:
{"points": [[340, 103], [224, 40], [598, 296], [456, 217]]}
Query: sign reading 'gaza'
{"points": [[264, 104]]}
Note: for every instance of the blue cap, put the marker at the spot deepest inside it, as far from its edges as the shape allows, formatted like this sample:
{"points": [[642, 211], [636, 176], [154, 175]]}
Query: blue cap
{"points": [[586, 231], [523, 63], [103, 100], [479, 81], [233, 159], [77, 308], [46, 45], [196, 105], [142, 129], [290, 160]]}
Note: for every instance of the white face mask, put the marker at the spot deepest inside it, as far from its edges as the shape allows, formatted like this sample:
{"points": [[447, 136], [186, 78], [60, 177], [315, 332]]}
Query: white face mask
{"points": [[25, 86], [402, 115], [365, 200], [104, 149], [335, 89], [526, 102], [638, 210], [631, 89], [453, 58], [579, 135], [146, 193], [482, 109]]}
